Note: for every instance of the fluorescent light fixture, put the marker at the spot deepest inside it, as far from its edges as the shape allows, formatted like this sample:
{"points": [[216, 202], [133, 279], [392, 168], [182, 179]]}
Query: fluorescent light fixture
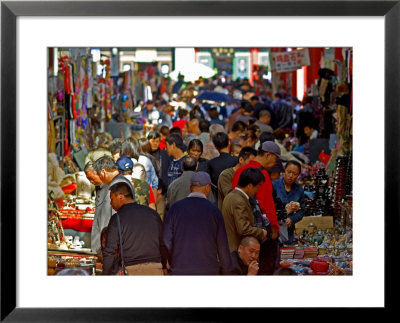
{"points": [[127, 58]]}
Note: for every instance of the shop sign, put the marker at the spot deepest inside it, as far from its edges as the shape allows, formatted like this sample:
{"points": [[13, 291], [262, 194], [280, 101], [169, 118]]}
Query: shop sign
{"points": [[289, 61]]}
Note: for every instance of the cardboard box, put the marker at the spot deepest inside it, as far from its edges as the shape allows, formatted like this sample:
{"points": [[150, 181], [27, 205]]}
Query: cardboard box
{"points": [[320, 222]]}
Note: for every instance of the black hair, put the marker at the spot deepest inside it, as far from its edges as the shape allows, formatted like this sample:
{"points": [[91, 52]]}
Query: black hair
{"points": [[254, 97], [239, 126], [130, 148], [295, 163], [195, 143], [153, 135], [105, 162], [164, 130], [278, 95], [204, 126], [213, 113], [189, 163], [182, 113], [145, 147], [252, 176], [308, 100], [220, 140], [122, 188], [266, 136], [176, 131], [244, 103], [284, 271], [115, 146], [175, 139], [279, 134], [246, 152]]}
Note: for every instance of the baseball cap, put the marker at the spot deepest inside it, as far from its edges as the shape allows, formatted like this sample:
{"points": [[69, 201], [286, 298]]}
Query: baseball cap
{"points": [[200, 179], [271, 147], [124, 163]]}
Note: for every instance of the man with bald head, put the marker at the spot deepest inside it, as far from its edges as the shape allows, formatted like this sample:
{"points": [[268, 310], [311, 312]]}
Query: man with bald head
{"points": [[194, 233], [245, 258]]}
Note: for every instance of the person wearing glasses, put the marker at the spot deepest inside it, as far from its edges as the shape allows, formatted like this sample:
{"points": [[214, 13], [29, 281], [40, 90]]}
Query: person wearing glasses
{"points": [[291, 195]]}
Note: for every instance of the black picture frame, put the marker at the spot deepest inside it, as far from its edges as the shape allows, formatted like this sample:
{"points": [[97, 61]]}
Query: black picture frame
{"points": [[10, 10]]}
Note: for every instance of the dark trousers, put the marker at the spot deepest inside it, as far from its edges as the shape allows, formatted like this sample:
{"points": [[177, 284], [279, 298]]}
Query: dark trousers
{"points": [[267, 257]]}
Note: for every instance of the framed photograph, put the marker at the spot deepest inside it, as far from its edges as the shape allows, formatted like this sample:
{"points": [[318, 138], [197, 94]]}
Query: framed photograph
{"points": [[29, 28]]}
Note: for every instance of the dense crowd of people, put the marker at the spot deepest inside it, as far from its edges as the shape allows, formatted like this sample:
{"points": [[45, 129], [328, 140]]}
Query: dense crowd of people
{"points": [[208, 188]]}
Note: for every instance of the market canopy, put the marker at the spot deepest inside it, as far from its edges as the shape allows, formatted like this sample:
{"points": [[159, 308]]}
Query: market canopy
{"points": [[193, 72]]}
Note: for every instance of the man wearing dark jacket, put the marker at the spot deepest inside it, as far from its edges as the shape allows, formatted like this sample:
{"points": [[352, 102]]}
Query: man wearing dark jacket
{"points": [[139, 228], [223, 161], [195, 235], [245, 258]]}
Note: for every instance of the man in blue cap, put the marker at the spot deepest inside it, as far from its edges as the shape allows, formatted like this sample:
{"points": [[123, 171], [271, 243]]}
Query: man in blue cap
{"points": [[195, 235]]}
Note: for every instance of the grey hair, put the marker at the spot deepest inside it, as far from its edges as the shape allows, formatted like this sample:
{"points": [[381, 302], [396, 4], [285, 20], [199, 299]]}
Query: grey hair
{"points": [[139, 172], [215, 128]]}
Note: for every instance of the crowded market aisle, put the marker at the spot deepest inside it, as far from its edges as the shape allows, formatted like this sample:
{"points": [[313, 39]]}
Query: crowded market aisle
{"points": [[206, 170]]}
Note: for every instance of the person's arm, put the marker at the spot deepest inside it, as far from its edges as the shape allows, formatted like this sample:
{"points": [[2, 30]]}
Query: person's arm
{"points": [[243, 226], [224, 254], [224, 184], [297, 216], [267, 205], [167, 232], [152, 200], [111, 246], [163, 248], [151, 176], [95, 237], [235, 178]]}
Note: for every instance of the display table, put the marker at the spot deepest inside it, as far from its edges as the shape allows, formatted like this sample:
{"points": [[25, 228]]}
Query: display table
{"points": [[315, 222], [77, 218], [59, 259]]}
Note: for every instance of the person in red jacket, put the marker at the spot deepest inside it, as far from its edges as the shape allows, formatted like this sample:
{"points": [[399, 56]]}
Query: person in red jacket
{"points": [[266, 158]]}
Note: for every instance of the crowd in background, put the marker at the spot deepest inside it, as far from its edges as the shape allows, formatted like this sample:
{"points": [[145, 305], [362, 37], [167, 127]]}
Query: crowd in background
{"points": [[209, 187]]}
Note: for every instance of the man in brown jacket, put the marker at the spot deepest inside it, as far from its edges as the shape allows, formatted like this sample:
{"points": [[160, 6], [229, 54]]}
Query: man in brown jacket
{"points": [[237, 212], [225, 178]]}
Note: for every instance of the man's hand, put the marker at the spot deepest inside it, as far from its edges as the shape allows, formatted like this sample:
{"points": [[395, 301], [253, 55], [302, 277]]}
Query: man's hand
{"points": [[274, 232], [253, 268], [289, 222], [288, 208]]}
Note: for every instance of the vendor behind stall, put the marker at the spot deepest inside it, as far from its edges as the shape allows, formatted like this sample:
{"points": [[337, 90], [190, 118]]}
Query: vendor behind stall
{"points": [[290, 202]]}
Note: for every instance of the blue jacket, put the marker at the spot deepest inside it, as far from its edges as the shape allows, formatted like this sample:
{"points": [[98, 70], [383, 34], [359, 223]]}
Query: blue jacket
{"points": [[296, 195], [195, 236]]}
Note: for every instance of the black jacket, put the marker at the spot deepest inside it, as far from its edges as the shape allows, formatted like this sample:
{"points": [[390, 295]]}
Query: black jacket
{"points": [[142, 242], [239, 268], [220, 163]]}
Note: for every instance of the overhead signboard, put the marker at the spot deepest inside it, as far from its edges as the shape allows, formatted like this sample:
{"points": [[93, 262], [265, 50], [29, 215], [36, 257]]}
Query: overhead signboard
{"points": [[289, 61]]}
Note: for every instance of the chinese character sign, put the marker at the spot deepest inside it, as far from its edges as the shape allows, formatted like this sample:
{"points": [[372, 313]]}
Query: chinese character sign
{"points": [[289, 61]]}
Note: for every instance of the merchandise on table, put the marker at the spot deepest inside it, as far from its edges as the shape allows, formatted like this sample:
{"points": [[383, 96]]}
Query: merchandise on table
{"points": [[58, 261]]}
